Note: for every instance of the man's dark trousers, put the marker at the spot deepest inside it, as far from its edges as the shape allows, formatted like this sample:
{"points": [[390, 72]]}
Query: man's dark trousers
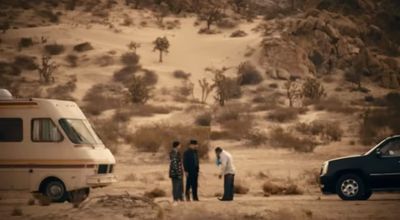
{"points": [[191, 183], [177, 189], [229, 186]]}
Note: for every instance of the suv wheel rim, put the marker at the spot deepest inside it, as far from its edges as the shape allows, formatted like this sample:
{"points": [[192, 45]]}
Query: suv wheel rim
{"points": [[349, 187]]}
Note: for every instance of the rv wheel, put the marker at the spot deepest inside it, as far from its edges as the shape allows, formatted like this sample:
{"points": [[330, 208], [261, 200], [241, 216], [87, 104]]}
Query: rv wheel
{"points": [[55, 191]]}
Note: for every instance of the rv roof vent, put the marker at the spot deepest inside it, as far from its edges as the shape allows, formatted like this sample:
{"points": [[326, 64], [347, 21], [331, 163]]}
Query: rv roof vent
{"points": [[5, 94]]}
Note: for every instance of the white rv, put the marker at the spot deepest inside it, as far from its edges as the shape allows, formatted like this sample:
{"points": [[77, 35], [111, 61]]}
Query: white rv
{"points": [[48, 146]]}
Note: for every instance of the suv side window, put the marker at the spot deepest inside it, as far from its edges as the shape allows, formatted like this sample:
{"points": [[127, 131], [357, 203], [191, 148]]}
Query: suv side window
{"points": [[44, 130], [391, 149]]}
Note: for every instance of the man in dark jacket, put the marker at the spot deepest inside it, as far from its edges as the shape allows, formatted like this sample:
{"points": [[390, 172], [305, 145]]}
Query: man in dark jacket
{"points": [[176, 172], [191, 166]]}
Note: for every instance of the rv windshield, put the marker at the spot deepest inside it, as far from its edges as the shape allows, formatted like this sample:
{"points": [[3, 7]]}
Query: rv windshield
{"points": [[79, 131]]}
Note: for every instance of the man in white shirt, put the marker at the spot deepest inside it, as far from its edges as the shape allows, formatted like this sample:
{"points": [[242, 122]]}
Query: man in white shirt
{"points": [[227, 171]]}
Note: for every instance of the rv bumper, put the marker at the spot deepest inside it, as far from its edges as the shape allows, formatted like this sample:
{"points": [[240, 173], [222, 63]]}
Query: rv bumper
{"points": [[101, 180]]}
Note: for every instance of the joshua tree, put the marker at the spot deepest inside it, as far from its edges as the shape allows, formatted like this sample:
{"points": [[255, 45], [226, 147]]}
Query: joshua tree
{"points": [[206, 89], [47, 70], [161, 44], [211, 15], [292, 91], [133, 46]]}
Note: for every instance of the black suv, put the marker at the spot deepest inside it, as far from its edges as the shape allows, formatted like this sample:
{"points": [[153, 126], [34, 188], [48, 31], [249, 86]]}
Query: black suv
{"points": [[355, 177]]}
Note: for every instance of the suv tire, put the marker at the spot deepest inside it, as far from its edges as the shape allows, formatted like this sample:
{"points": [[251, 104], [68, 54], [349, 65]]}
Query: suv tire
{"points": [[351, 187]]}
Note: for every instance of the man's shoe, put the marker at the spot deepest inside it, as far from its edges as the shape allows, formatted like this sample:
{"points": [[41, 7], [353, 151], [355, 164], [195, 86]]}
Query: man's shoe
{"points": [[224, 200]]}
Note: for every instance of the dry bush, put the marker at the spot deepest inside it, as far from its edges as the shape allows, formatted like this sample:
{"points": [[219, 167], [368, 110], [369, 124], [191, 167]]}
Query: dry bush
{"points": [[227, 23], [257, 137], [289, 188], [139, 90], [63, 91], [54, 49], [104, 60], [180, 74], [238, 33], [248, 74], [146, 110], [130, 59], [267, 102], [46, 70], [333, 104], [82, 47], [184, 92], [50, 15], [110, 132], [312, 89], [283, 114], [203, 119], [25, 62], [103, 97], [72, 60], [240, 188], [155, 193], [328, 130], [125, 74], [9, 69], [221, 135], [17, 212], [311, 177], [150, 77], [25, 42], [280, 138], [152, 138]]}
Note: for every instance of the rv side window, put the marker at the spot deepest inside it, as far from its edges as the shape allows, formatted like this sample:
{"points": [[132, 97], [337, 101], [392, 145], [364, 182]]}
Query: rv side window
{"points": [[11, 130], [44, 130]]}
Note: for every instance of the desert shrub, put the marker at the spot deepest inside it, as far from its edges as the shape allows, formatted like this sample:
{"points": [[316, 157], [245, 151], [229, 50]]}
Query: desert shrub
{"points": [[111, 132], [125, 74], [146, 110], [152, 138], [25, 62], [227, 23], [239, 129], [155, 193], [130, 59], [333, 104], [63, 91], [280, 138], [204, 119], [103, 97], [256, 137], [72, 60], [221, 135], [312, 89], [150, 77], [180, 74], [238, 33], [25, 42], [54, 49], [9, 69], [230, 113], [290, 188], [226, 88], [328, 130], [267, 101], [50, 15], [283, 114], [248, 74], [17, 212], [82, 47], [139, 91], [240, 188], [104, 60]]}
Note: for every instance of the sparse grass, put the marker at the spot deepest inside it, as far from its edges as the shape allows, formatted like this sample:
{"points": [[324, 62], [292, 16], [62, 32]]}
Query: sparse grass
{"points": [[180, 74], [333, 104], [63, 91], [283, 114], [284, 139], [141, 110], [131, 177], [328, 130], [54, 49], [257, 137], [155, 193], [17, 211]]}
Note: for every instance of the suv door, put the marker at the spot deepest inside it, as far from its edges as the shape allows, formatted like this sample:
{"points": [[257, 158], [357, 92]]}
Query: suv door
{"points": [[385, 167]]}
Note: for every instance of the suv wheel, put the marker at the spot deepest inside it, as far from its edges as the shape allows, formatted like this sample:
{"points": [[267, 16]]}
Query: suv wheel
{"points": [[351, 187]]}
